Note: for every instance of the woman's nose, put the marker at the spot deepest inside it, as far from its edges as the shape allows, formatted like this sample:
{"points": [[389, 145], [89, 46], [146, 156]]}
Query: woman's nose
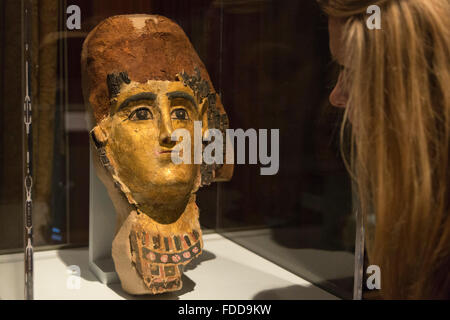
{"points": [[338, 97]]}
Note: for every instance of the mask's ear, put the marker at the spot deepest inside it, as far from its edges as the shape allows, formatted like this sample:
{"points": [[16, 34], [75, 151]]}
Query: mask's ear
{"points": [[225, 172], [98, 137], [214, 116]]}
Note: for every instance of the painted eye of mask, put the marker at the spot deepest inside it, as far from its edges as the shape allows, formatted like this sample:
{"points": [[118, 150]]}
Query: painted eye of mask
{"points": [[179, 114], [141, 114]]}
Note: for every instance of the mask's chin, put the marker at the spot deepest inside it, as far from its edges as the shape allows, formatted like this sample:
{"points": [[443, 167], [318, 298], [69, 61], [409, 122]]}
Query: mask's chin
{"points": [[164, 203]]}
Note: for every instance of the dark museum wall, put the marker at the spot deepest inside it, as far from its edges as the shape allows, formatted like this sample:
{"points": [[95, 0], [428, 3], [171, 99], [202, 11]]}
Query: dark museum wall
{"points": [[10, 126]]}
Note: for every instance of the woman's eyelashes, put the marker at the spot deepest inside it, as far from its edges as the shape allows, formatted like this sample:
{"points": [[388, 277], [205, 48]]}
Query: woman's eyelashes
{"points": [[179, 114]]}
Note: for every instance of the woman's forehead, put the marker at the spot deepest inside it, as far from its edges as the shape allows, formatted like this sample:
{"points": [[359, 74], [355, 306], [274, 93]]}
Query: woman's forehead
{"points": [[335, 27]]}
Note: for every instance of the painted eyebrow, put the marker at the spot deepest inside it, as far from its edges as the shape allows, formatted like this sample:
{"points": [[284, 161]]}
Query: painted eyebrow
{"points": [[137, 97], [182, 95]]}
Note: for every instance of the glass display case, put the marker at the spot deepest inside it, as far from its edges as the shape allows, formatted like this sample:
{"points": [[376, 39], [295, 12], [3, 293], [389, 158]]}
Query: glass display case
{"points": [[285, 235]]}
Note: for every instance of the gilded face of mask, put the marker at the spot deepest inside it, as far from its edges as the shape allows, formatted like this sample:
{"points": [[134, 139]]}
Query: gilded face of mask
{"points": [[143, 118]]}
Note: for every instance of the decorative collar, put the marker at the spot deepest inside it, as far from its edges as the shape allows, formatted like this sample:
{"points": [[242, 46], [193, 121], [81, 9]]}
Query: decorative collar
{"points": [[160, 252]]}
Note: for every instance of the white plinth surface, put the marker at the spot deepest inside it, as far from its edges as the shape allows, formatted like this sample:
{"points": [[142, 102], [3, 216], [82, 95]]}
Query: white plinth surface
{"points": [[225, 271]]}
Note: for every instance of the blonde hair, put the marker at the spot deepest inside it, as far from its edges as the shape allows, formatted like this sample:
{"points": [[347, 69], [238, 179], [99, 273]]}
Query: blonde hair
{"points": [[398, 87]]}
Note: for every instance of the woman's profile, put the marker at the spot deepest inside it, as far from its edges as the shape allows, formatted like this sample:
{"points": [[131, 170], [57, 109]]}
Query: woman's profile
{"points": [[394, 84]]}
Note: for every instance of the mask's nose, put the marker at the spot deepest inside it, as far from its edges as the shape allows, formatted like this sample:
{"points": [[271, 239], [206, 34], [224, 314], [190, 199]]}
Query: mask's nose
{"points": [[165, 125]]}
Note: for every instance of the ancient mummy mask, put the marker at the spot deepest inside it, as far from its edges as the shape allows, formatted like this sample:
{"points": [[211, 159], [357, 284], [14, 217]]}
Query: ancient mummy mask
{"points": [[142, 79]]}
